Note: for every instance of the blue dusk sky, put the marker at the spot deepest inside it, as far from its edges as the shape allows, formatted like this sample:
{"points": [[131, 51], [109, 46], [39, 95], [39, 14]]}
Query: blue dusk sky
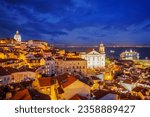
{"points": [[77, 22]]}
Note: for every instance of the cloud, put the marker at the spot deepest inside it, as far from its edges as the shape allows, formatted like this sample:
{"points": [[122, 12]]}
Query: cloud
{"points": [[77, 21], [47, 6], [146, 27]]}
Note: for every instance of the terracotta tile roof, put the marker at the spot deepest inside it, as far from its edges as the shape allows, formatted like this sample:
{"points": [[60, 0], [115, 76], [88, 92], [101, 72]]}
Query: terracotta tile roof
{"points": [[95, 78], [6, 60], [68, 81], [70, 59], [139, 89], [128, 81], [128, 97], [78, 97], [22, 95], [24, 69], [90, 50], [100, 93], [49, 58], [3, 72], [47, 81], [62, 77], [38, 55], [75, 59], [60, 90], [47, 50], [11, 70], [38, 96], [59, 57]]}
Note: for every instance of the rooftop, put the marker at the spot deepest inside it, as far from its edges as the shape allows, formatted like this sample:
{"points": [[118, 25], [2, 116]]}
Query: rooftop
{"points": [[75, 59], [60, 90], [11, 70], [71, 59], [46, 81], [78, 97], [38, 96], [100, 93], [6, 60], [22, 95], [3, 71], [68, 81]]}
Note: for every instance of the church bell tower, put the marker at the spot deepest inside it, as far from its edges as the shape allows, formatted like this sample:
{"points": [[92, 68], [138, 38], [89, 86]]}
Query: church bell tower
{"points": [[101, 48]]}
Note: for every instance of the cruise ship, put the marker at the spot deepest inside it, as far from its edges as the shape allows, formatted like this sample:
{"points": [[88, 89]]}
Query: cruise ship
{"points": [[129, 55]]}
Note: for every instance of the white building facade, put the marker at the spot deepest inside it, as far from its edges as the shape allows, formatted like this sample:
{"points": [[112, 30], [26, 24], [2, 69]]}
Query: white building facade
{"points": [[95, 59], [17, 36]]}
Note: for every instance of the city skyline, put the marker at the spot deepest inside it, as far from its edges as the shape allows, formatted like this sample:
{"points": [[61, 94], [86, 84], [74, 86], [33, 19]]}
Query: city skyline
{"points": [[75, 22]]}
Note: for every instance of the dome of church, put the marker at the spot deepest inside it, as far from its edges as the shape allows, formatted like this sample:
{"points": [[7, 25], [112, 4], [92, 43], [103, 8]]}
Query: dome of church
{"points": [[17, 36]]}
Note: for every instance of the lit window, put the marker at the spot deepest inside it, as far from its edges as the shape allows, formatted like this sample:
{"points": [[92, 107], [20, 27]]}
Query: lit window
{"points": [[42, 90]]}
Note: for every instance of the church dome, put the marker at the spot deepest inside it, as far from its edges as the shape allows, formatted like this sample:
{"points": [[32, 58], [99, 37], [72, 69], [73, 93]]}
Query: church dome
{"points": [[17, 36]]}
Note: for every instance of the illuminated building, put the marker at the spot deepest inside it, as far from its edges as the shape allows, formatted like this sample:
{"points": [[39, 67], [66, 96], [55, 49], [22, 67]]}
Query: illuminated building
{"points": [[48, 68], [37, 43], [23, 75], [95, 59], [9, 62], [108, 75], [71, 65], [61, 52], [46, 85], [71, 86], [2, 55], [73, 55], [12, 75], [7, 41], [129, 55], [37, 61], [5, 77], [17, 36], [47, 53]]}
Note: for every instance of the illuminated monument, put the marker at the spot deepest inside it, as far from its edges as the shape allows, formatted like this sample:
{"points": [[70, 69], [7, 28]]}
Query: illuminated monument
{"points": [[95, 59], [17, 36]]}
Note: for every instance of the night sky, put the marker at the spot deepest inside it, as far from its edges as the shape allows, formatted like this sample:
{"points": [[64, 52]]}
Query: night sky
{"points": [[77, 22]]}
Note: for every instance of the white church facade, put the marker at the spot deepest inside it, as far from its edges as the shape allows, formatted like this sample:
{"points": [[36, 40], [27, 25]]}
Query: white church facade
{"points": [[95, 59]]}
